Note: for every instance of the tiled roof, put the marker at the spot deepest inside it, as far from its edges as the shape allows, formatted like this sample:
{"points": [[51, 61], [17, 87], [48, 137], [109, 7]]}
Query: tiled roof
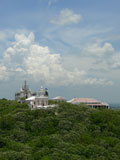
{"points": [[59, 97], [89, 101], [84, 100]]}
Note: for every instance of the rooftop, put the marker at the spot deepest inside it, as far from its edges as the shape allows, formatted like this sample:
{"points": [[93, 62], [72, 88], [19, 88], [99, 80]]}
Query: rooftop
{"points": [[89, 101], [84, 100], [59, 97]]}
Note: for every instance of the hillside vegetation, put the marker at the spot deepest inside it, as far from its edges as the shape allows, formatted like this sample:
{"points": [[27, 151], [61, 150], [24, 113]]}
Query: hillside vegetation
{"points": [[67, 132]]}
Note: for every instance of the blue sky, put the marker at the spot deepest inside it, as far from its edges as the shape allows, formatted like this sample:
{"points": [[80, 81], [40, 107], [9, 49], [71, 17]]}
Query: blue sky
{"points": [[70, 46]]}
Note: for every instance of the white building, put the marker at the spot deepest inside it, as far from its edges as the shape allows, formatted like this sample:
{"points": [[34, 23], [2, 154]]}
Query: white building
{"points": [[40, 100]]}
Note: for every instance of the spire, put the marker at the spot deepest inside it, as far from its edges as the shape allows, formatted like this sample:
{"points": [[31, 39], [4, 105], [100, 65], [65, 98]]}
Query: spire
{"points": [[25, 82], [25, 87]]}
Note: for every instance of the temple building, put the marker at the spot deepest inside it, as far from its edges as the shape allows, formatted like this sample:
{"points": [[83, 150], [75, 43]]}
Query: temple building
{"points": [[37, 100], [40, 100], [59, 99], [93, 103], [24, 93]]}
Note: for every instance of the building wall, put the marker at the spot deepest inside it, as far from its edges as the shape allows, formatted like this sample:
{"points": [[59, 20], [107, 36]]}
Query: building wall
{"points": [[41, 101]]}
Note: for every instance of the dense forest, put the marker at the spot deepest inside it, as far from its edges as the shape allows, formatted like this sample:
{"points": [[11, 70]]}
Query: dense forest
{"points": [[67, 132]]}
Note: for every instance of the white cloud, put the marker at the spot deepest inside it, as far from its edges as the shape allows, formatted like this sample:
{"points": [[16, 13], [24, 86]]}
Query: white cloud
{"points": [[66, 17], [26, 58], [104, 59], [22, 40], [99, 51], [115, 61], [4, 75], [6, 34]]}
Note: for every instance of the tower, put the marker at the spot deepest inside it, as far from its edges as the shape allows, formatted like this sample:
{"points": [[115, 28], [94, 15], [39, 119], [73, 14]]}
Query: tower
{"points": [[23, 93]]}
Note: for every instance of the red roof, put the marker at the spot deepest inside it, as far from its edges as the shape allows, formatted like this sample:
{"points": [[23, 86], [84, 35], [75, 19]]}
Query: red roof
{"points": [[84, 100], [89, 101], [59, 98]]}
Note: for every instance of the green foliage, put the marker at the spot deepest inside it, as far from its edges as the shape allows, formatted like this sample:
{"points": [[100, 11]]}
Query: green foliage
{"points": [[67, 132]]}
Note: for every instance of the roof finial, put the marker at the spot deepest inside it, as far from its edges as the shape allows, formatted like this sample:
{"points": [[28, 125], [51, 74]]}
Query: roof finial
{"points": [[25, 84]]}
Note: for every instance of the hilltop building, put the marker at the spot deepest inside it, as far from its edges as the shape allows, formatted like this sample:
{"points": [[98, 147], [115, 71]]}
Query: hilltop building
{"points": [[40, 100], [59, 98], [89, 101], [24, 93], [35, 100]]}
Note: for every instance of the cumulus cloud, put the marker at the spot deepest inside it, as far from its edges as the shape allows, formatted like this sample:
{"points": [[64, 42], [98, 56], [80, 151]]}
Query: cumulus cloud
{"points": [[4, 74], [103, 56], [99, 51], [26, 58], [66, 17], [115, 61]]}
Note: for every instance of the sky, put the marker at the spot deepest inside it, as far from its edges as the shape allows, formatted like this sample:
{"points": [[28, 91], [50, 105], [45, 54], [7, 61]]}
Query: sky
{"points": [[72, 47]]}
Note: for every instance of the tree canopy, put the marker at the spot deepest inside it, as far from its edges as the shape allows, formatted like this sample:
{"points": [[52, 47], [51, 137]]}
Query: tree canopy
{"points": [[67, 132]]}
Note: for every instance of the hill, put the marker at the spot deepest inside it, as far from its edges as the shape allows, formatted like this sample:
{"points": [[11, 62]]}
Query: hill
{"points": [[67, 132]]}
